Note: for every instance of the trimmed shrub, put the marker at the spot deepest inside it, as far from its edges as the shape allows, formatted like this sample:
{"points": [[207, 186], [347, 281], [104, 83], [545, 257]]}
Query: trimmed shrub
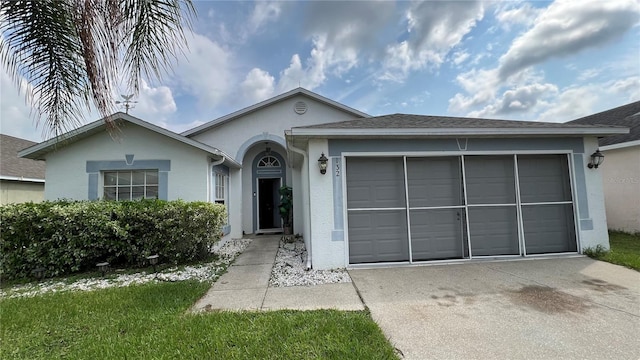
{"points": [[71, 236]]}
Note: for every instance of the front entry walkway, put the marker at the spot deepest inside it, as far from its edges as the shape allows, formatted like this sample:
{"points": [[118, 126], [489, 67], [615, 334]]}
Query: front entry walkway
{"points": [[245, 286]]}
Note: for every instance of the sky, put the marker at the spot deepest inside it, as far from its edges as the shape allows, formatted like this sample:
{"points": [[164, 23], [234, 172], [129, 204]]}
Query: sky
{"points": [[520, 60]]}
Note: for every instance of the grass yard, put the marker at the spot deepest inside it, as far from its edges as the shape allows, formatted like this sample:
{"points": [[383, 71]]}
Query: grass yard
{"points": [[625, 250], [149, 321]]}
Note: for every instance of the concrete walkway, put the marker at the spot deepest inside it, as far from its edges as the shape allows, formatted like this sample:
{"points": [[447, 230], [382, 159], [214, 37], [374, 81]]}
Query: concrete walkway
{"points": [[245, 286]]}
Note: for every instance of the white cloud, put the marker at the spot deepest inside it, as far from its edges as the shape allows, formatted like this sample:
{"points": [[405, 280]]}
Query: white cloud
{"points": [[571, 104], [521, 99], [567, 27], [296, 76], [153, 104], [434, 29], [206, 73], [628, 88], [263, 13], [15, 119], [523, 14], [257, 86]]}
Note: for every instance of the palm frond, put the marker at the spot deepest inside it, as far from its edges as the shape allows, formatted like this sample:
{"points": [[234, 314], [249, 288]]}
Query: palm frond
{"points": [[72, 52]]}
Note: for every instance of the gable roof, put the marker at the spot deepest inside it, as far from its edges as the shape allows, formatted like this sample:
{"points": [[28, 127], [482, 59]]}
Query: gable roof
{"points": [[423, 125], [261, 105], [13, 167], [37, 152], [626, 115]]}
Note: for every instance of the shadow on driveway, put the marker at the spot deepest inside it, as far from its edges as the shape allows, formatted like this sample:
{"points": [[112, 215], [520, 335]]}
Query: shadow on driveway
{"points": [[529, 309]]}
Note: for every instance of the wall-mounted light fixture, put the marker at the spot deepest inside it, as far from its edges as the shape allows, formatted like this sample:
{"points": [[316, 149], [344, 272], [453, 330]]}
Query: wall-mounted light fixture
{"points": [[322, 163], [596, 159]]}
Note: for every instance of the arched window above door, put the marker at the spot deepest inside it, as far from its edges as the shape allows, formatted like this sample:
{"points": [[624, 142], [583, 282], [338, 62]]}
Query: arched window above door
{"points": [[268, 161]]}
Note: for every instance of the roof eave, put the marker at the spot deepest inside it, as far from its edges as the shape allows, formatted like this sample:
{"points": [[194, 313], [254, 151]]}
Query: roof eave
{"points": [[38, 151], [247, 110], [466, 132]]}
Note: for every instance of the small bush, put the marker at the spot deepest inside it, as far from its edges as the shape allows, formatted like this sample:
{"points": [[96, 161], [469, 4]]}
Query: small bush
{"points": [[70, 236], [596, 253]]}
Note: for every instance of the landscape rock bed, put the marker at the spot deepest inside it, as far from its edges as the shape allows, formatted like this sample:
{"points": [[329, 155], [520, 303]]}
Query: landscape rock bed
{"points": [[289, 269], [226, 251]]}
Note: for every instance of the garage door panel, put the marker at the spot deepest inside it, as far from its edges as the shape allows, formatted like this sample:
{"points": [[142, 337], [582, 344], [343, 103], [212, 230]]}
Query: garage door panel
{"points": [[493, 231], [544, 178], [549, 228], [375, 183], [434, 181], [436, 234], [378, 236], [490, 179]]}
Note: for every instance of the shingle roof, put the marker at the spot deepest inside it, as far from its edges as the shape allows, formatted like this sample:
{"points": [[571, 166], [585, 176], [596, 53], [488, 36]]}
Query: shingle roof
{"points": [[404, 121], [14, 167], [625, 115]]}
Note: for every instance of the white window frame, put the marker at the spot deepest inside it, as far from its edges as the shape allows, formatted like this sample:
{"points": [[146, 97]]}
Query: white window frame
{"points": [[220, 188], [131, 185]]}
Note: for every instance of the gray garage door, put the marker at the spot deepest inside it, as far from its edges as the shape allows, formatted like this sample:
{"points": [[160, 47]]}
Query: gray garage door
{"points": [[436, 208], [376, 210], [458, 207], [547, 207]]}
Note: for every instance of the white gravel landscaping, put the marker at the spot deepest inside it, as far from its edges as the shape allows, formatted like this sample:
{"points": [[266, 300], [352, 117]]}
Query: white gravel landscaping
{"points": [[289, 269], [227, 252]]}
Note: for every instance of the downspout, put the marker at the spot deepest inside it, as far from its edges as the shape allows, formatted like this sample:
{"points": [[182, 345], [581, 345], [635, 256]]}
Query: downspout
{"points": [[308, 219]]}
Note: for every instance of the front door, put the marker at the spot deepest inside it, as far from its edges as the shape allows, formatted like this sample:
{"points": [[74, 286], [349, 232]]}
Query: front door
{"points": [[268, 200]]}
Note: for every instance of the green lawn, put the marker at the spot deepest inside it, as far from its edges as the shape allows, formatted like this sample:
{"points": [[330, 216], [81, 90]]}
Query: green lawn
{"points": [[149, 322], [625, 250]]}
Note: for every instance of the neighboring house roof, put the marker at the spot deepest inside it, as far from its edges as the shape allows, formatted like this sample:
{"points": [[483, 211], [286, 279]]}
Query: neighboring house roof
{"points": [[422, 125], [268, 102], [13, 167], [625, 115], [38, 152]]}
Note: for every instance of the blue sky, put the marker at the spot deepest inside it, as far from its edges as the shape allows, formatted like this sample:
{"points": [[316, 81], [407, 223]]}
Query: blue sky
{"points": [[522, 60]]}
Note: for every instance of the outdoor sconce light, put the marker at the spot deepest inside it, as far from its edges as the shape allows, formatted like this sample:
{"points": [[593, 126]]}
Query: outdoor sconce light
{"points": [[103, 267], [153, 260], [322, 163], [596, 159]]}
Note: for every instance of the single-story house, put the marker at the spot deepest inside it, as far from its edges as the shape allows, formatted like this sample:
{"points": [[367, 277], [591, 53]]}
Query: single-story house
{"points": [[393, 189], [621, 168], [21, 180]]}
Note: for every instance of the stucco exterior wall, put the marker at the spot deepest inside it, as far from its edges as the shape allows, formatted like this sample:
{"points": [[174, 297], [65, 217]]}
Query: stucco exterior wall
{"points": [[268, 123], [326, 253], [67, 177], [12, 192], [621, 181], [244, 138], [598, 235]]}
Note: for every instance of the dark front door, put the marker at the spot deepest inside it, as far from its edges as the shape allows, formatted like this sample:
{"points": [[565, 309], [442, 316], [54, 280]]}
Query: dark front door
{"points": [[268, 199]]}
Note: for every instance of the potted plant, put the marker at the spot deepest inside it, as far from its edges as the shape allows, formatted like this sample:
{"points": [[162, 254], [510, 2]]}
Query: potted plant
{"points": [[286, 209]]}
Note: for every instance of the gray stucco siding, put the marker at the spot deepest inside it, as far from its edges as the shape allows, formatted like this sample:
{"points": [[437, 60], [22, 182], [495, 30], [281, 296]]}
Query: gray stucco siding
{"points": [[339, 146]]}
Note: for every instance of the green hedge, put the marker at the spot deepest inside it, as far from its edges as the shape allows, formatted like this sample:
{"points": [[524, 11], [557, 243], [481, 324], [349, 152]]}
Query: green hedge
{"points": [[71, 236]]}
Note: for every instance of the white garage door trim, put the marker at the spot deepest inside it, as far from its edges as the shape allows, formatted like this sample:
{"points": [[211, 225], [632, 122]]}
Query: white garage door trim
{"points": [[519, 205]]}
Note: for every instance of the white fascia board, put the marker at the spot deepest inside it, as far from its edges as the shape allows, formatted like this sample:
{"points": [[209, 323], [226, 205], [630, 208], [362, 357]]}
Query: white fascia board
{"points": [[620, 145], [20, 178], [86, 129], [265, 103], [412, 132]]}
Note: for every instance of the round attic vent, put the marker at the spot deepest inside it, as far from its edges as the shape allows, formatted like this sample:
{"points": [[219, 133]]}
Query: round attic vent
{"points": [[300, 107]]}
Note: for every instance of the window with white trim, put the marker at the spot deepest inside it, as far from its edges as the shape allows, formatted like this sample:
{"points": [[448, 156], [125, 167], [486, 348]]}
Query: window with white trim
{"points": [[220, 189], [269, 161], [130, 185]]}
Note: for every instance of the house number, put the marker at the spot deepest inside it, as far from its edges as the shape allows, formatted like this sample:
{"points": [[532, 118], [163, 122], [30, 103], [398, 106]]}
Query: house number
{"points": [[337, 169]]}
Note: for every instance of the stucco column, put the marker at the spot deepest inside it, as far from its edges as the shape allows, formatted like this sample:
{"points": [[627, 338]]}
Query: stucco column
{"points": [[326, 253], [598, 235]]}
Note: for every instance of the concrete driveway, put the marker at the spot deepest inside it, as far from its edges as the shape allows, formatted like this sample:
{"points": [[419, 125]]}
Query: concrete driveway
{"points": [[569, 308]]}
